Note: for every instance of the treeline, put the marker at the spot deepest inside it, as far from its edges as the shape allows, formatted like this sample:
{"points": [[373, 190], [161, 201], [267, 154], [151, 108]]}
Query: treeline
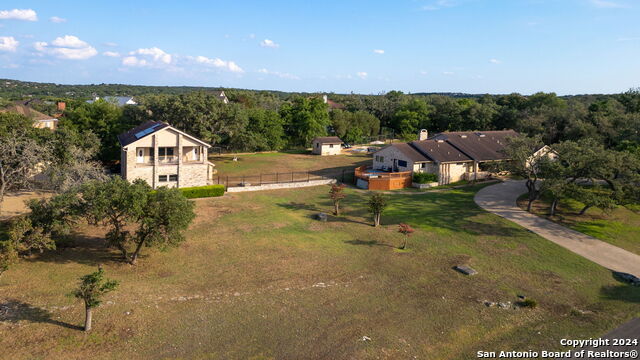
{"points": [[267, 120]]}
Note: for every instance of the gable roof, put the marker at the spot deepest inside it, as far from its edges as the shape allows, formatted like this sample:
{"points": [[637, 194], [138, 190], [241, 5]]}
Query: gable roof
{"points": [[328, 140], [149, 128], [28, 112], [479, 145], [439, 151], [458, 146]]}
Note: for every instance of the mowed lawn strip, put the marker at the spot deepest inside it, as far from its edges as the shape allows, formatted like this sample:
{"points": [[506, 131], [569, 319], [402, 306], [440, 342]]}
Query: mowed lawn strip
{"points": [[619, 227], [259, 278], [284, 162]]}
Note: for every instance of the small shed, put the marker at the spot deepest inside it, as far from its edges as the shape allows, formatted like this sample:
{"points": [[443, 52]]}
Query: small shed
{"points": [[328, 145]]}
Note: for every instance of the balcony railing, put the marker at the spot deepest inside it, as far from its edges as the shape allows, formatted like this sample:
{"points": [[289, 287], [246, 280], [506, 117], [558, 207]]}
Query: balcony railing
{"points": [[168, 159]]}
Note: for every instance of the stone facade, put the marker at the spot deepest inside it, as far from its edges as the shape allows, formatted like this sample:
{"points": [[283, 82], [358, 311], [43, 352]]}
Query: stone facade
{"points": [[188, 166], [390, 158], [282, 185]]}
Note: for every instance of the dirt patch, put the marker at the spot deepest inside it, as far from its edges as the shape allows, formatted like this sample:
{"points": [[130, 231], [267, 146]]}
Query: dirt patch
{"points": [[14, 203]]}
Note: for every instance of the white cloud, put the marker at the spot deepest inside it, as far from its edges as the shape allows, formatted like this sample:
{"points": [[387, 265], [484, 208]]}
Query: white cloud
{"points": [[19, 14], [148, 57], [110, 44], [606, 4], [111, 53], [11, 66], [438, 4], [279, 74], [57, 20], [219, 63], [269, 43], [67, 47], [448, 73], [8, 43], [362, 75], [495, 61], [378, 51], [252, 36], [423, 73]]}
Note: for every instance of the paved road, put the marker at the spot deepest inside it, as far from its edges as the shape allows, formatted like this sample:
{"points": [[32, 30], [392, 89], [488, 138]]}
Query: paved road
{"points": [[501, 199]]}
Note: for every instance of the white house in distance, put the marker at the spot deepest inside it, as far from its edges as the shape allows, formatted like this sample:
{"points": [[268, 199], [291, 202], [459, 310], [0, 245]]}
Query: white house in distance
{"points": [[118, 100], [164, 156], [453, 156], [329, 145]]}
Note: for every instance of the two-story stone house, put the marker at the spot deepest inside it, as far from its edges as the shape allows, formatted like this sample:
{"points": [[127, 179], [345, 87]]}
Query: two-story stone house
{"points": [[164, 156]]}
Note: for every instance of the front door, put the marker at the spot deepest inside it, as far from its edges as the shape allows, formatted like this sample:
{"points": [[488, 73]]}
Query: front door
{"points": [[140, 155]]}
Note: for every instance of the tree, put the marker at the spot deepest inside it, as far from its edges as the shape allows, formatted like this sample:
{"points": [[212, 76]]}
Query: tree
{"points": [[377, 204], [405, 230], [116, 203], [305, 119], [337, 194], [91, 290], [411, 117], [22, 153], [593, 196], [72, 162], [525, 163], [166, 214]]}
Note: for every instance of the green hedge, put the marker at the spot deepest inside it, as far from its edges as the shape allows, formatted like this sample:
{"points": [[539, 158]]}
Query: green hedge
{"points": [[202, 191], [424, 178]]}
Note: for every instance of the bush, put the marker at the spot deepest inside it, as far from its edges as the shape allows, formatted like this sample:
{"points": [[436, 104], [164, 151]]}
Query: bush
{"points": [[530, 303], [202, 191], [424, 178]]}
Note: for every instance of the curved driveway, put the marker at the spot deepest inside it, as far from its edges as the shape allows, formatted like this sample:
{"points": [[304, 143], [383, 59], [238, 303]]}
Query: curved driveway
{"points": [[501, 199]]}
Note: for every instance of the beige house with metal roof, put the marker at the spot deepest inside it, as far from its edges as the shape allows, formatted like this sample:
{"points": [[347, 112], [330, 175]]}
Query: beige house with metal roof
{"points": [[164, 156], [40, 120]]}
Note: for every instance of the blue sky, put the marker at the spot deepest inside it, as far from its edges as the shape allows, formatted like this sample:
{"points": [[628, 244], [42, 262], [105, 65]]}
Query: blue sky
{"points": [[475, 46]]}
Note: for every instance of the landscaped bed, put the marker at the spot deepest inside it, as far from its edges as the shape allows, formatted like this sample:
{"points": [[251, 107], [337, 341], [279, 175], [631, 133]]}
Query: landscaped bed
{"points": [[260, 278]]}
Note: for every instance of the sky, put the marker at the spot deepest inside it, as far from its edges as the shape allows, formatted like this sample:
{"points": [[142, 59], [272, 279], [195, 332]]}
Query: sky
{"points": [[361, 46]]}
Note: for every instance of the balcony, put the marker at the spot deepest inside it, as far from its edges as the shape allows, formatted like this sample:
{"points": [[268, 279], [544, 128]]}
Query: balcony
{"points": [[167, 159]]}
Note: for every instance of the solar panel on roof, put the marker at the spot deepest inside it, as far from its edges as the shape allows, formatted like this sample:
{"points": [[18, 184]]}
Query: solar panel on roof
{"points": [[147, 131]]}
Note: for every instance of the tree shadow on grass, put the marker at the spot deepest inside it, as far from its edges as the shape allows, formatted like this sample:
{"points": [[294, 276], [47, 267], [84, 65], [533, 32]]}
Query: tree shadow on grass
{"points": [[625, 291], [14, 311], [299, 206], [367, 243], [87, 250]]}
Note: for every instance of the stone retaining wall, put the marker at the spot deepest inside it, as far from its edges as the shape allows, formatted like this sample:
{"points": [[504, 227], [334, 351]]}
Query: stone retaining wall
{"points": [[282, 185]]}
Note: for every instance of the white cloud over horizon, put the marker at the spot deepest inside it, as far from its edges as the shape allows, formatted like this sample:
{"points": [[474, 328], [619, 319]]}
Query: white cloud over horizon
{"points": [[8, 43], [378, 51], [362, 75], [219, 63], [57, 20], [19, 14], [495, 61], [269, 43], [279, 74], [606, 4], [147, 57], [67, 47], [111, 53]]}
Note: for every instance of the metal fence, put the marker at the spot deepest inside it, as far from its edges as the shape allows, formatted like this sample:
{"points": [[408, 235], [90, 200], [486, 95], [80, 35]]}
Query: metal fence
{"points": [[342, 175]]}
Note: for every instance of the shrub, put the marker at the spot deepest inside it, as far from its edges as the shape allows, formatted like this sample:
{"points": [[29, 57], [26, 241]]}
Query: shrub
{"points": [[530, 303], [202, 191], [424, 178]]}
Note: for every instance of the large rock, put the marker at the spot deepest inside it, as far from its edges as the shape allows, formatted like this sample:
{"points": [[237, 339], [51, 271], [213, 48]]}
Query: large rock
{"points": [[467, 270], [322, 217]]}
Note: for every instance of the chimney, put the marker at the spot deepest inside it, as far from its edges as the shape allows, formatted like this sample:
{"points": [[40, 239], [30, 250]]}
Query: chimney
{"points": [[325, 99], [423, 135], [61, 105]]}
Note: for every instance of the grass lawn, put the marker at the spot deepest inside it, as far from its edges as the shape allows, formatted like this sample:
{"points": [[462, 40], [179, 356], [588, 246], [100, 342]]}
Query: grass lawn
{"points": [[284, 162], [259, 278], [620, 227]]}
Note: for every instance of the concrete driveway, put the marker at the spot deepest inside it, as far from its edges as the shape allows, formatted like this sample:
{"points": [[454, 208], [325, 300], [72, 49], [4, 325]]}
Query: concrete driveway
{"points": [[501, 199]]}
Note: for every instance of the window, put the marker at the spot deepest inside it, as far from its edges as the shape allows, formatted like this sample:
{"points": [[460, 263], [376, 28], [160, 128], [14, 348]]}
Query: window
{"points": [[317, 145], [402, 163], [173, 177], [379, 158], [165, 151], [330, 145], [162, 178], [423, 165]]}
